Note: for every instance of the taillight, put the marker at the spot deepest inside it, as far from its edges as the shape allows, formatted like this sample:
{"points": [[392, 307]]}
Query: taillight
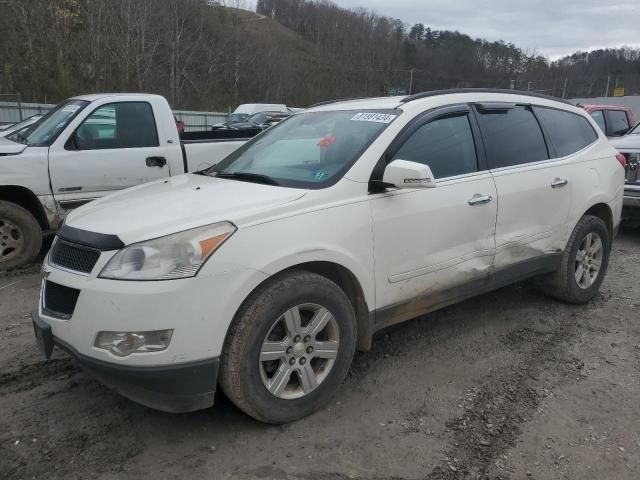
{"points": [[622, 159]]}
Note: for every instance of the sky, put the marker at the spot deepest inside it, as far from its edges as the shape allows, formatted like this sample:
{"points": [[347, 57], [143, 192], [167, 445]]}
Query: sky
{"points": [[553, 28]]}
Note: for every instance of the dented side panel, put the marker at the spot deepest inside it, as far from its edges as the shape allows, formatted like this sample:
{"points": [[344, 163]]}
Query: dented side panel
{"points": [[427, 241]]}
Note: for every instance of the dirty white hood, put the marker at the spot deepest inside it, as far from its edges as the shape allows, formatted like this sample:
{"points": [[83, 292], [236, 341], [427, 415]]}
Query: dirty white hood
{"points": [[178, 203], [7, 147], [628, 142]]}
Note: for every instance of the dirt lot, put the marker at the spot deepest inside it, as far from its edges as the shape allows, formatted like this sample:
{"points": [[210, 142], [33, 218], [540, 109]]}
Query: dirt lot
{"points": [[507, 385]]}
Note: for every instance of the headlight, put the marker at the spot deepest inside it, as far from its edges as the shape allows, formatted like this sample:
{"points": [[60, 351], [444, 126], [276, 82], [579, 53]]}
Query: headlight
{"points": [[178, 255]]}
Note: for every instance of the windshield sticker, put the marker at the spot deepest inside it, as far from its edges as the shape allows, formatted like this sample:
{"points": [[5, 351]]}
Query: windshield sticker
{"points": [[320, 175], [373, 117], [70, 108], [326, 141]]}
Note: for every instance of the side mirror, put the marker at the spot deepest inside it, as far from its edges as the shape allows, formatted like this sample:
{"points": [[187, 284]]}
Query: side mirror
{"points": [[406, 174]]}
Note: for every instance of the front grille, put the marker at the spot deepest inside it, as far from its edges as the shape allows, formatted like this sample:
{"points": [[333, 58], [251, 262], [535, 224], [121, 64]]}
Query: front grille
{"points": [[633, 167], [73, 256], [59, 301]]}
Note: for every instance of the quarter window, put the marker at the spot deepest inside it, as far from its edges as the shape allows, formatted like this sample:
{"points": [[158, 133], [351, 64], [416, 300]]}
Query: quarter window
{"points": [[445, 145], [618, 122], [567, 131], [118, 125], [512, 136], [598, 116]]}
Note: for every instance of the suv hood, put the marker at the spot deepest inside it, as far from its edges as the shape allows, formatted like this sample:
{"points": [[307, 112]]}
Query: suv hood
{"points": [[179, 203], [628, 142], [7, 147]]}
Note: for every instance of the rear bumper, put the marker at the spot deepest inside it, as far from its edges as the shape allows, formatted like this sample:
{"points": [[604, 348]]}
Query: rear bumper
{"points": [[183, 387]]}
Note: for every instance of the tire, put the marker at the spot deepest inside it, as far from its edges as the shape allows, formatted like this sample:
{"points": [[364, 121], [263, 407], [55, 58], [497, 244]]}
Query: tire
{"points": [[20, 236], [251, 382], [563, 283]]}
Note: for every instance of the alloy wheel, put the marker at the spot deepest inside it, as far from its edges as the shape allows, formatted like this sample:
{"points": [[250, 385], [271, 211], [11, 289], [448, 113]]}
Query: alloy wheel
{"points": [[299, 351]]}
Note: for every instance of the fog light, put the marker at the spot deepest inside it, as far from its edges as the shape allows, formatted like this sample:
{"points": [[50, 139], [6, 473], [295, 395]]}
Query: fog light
{"points": [[126, 343]]}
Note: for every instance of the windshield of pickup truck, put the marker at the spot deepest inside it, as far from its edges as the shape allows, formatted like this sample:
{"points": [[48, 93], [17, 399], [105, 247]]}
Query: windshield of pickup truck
{"points": [[308, 150], [45, 131]]}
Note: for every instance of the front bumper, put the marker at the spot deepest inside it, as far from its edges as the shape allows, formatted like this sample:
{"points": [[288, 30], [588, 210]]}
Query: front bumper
{"points": [[183, 387]]}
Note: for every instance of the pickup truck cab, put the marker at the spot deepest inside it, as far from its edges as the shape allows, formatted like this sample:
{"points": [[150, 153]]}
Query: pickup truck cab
{"points": [[613, 120], [265, 272], [83, 149]]}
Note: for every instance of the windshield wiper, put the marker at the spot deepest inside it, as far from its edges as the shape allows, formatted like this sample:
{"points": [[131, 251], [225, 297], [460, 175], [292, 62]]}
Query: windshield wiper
{"points": [[248, 177]]}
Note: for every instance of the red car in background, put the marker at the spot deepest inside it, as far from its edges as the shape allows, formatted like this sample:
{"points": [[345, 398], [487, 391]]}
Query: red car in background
{"points": [[614, 120]]}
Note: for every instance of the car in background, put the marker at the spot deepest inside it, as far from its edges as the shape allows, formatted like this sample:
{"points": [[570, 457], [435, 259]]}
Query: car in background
{"points": [[20, 126], [629, 146], [244, 111], [231, 119], [613, 120], [262, 120]]}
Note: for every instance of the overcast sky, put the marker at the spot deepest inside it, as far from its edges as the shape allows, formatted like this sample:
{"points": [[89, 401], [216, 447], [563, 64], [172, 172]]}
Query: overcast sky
{"points": [[553, 28]]}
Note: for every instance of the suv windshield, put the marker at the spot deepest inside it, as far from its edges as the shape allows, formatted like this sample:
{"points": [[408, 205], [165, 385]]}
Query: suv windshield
{"points": [[45, 131], [309, 150]]}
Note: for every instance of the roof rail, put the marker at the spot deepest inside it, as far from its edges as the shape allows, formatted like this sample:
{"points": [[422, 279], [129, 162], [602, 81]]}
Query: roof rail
{"points": [[335, 100], [434, 93]]}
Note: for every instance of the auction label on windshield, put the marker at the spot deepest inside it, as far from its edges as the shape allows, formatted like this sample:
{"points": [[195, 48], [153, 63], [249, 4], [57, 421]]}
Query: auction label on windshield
{"points": [[373, 117], [70, 108]]}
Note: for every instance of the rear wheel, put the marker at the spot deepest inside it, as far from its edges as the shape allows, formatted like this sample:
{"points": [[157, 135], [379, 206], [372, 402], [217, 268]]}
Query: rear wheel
{"points": [[584, 263], [289, 347], [20, 236]]}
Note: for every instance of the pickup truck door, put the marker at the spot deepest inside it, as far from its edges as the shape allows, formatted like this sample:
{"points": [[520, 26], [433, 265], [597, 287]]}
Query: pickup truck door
{"points": [[433, 245], [116, 146]]}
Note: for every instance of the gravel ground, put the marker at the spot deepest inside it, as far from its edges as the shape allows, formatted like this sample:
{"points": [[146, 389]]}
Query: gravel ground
{"points": [[507, 385]]}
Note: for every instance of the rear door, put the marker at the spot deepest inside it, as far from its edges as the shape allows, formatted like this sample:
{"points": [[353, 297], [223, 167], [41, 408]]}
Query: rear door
{"points": [[117, 146], [534, 190], [431, 242]]}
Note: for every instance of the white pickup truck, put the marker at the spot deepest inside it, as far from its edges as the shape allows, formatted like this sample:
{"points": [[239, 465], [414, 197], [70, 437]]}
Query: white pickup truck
{"points": [[88, 147]]}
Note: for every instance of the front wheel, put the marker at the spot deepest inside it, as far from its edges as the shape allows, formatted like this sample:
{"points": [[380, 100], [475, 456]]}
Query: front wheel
{"points": [[289, 347], [20, 236], [584, 263]]}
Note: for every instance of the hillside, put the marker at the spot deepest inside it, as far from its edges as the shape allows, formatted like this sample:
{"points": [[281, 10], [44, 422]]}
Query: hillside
{"points": [[292, 51]]}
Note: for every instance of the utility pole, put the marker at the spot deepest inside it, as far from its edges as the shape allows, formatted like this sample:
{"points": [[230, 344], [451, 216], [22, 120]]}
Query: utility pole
{"points": [[410, 81], [606, 92], [564, 89]]}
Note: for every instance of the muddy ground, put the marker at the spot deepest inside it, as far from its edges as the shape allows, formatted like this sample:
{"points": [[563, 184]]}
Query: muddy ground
{"points": [[509, 385]]}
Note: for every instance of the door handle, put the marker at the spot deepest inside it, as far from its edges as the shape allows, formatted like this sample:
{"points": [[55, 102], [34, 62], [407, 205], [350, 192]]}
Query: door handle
{"points": [[156, 162], [559, 182], [479, 199]]}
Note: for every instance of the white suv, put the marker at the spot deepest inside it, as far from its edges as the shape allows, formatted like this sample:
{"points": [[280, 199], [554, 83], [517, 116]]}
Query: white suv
{"points": [[265, 272]]}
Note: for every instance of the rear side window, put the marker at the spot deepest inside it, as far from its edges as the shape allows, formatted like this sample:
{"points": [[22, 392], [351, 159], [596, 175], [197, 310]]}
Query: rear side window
{"points": [[445, 145], [618, 122], [598, 116], [511, 137], [567, 131]]}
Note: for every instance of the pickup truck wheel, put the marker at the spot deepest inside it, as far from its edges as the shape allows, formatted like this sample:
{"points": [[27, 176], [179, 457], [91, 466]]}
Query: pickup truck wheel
{"points": [[584, 263], [20, 236], [288, 348]]}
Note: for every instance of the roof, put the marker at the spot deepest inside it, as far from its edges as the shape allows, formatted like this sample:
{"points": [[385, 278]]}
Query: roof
{"points": [[97, 96], [442, 97]]}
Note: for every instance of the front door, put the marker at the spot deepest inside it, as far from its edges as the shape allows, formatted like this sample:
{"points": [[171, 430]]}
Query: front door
{"points": [[434, 245], [107, 152]]}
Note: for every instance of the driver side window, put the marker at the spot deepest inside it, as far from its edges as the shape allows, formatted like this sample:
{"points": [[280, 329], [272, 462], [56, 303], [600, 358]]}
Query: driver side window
{"points": [[118, 125], [446, 145]]}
